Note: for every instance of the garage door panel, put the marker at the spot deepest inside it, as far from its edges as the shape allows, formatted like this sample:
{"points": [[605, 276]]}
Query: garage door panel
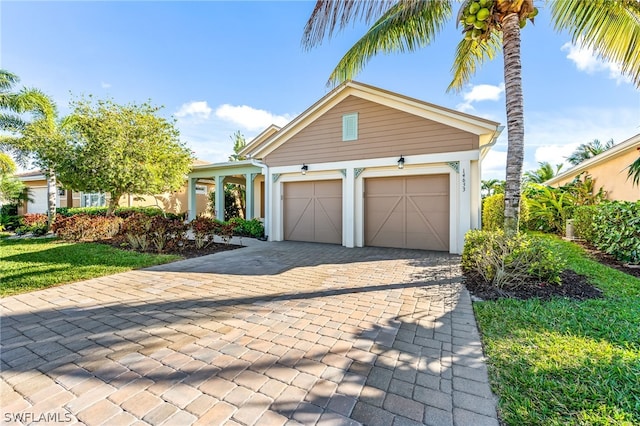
{"points": [[313, 211], [407, 212], [39, 200]]}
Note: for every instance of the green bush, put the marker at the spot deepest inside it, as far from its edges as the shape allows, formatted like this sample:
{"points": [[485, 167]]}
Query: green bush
{"points": [[122, 212], [510, 261], [493, 212], [10, 222], [247, 228], [549, 208], [616, 230], [84, 227], [583, 222]]}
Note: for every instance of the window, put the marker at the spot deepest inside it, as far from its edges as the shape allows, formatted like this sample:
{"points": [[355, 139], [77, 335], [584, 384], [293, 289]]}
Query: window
{"points": [[62, 192], [350, 127], [201, 189], [95, 199]]}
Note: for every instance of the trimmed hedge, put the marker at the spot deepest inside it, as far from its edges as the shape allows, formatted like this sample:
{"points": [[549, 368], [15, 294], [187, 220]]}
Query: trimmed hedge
{"points": [[616, 230], [120, 211], [84, 227], [493, 212]]}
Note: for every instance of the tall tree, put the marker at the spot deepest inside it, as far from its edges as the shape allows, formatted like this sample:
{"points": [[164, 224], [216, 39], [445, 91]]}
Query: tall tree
{"points": [[610, 27], [13, 106], [544, 172], [588, 150], [239, 142], [121, 149], [634, 171]]}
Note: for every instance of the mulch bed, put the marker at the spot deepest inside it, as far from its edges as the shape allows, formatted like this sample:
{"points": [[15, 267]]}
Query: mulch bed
{"points": [[573, 286], [187, 250]]}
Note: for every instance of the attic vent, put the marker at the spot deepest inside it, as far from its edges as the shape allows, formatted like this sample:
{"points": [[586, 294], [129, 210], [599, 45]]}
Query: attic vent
{"points": [[350, 127]]}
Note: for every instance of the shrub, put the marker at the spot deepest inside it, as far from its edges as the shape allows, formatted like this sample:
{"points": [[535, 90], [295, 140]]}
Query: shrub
{"points": [[11, 222], [9, 210], [122, 212], [204, 229], [493, 212], [83, 227], [35, 223], [509, 261], [616, 230], [167, 233], [135, 229], [247, 228], [549, 208], [225, 231], [583, 222]]}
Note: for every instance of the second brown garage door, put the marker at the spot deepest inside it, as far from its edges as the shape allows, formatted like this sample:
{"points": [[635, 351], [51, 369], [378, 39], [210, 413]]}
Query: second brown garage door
{"points": [[313, 211], [407, 212]]}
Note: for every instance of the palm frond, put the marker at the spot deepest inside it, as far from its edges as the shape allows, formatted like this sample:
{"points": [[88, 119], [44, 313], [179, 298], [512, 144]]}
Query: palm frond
{"points": [[406, 26], [609, 27], [7, 80], [470, 55], [634, 171], [11, 123]]}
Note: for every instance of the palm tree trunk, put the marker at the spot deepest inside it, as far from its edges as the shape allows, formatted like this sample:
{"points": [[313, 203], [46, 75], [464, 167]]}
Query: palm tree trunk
{"points": [[515, 120], [52, 191]]}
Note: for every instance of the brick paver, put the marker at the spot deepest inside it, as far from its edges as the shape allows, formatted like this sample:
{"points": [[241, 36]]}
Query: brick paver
{"points": [[272, 334]]}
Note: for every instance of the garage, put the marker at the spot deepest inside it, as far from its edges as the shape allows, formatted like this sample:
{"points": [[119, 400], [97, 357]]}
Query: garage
{"points": [[312, 211], [407, 212], [38, 200]]}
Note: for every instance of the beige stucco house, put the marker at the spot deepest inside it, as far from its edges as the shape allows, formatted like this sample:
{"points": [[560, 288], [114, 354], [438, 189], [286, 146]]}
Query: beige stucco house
{"points": [[608, 170], [366, 167], [173, 202]]}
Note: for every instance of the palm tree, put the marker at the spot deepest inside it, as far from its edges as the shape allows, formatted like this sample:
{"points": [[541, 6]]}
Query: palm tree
{"points": [[634, 171], [43, 111], [544, 172], [588, 150], [491, 187], [610, 27]]}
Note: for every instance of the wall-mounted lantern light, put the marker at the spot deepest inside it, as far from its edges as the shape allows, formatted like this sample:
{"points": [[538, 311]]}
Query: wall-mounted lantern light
{"points": [[304, 169], [401, 162]]}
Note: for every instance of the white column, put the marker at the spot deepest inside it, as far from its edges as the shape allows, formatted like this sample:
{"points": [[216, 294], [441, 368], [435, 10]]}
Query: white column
{"points": [[348, 225], [248, 195], [191, 198], [464, 179], [267, 205], [219, 197]]}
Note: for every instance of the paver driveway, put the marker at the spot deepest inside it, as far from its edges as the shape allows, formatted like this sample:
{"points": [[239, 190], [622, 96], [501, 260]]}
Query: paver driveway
{"points": [[271, 334]]}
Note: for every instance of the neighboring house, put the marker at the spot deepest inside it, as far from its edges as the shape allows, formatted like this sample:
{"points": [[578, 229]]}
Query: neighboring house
{"points": [[174, 202], [365, 167], [608, 170]]}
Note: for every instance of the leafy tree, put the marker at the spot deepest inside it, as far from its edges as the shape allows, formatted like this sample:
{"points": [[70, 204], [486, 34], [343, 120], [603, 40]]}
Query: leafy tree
{"points": [[13, 105], [544, 172], [611, 28], [11, 189], [121, 149], [588, 150]]}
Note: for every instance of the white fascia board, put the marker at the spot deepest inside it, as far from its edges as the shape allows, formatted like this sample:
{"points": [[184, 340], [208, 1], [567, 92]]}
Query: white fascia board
{"points": [[382, 162], [31, 178]]}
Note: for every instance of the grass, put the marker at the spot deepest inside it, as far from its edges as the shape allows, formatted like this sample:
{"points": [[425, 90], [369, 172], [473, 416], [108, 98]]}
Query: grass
{"points": [[34, 264], [567, 362]]}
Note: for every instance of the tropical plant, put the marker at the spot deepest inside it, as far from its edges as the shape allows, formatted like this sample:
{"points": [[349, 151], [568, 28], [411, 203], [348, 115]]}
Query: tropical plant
{"points": [[634, 171], [20, 136], [121, 149], [611, 28], [491, 187], [616, 230], [239, 142], [549, 208], [544, 172], [588, 150]]}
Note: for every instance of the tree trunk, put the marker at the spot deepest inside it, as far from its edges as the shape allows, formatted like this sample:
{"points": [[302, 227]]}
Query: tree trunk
{"points": [[515, 120], [114, 202], [52, 191]]}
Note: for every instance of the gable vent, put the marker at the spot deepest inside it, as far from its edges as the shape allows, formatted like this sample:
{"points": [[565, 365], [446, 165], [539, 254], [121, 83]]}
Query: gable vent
{"points": [[350, 127]]}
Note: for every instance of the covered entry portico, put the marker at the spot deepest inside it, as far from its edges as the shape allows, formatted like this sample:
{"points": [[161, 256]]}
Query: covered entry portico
{"points": [[249, 173]]}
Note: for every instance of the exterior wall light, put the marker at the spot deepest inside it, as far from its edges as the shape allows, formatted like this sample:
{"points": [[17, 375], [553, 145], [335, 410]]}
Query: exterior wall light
{"points": [[304, 169], [401, 162]]}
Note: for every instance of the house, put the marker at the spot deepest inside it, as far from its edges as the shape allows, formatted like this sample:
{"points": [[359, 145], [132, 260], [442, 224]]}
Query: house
{"points": [[608, 170], [364, 167], [174, 202]]}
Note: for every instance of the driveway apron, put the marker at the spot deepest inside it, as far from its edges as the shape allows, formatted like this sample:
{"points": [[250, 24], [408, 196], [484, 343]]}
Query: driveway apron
{"points": [[272, 334]]}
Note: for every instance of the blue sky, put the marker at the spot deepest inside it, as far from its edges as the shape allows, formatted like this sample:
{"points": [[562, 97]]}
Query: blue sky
{"points": [[219, 67]]}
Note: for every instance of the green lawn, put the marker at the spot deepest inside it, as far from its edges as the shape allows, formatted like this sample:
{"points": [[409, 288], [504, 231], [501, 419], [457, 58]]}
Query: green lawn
{"points": [[33, 264], [566, 362]]}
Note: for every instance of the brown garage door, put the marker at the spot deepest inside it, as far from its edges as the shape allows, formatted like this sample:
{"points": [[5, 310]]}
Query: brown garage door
{"points": [[313, 211], [407, 212]]}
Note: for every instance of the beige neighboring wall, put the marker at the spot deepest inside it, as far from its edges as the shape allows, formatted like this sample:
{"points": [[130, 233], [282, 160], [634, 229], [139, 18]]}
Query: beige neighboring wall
{"points": [[382, 132], [609, 171], [175, 202]]}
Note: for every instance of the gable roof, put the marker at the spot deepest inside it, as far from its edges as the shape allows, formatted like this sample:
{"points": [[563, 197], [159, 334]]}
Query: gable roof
{"points": [[259, 140], [484, 128], [608, 155]]}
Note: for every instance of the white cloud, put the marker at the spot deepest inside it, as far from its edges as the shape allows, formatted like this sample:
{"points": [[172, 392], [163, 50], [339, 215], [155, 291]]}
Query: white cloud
{"points": [[105, 85], [494, 165], [587, 61], [250, 118], [196, 109], [478, 93]]}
